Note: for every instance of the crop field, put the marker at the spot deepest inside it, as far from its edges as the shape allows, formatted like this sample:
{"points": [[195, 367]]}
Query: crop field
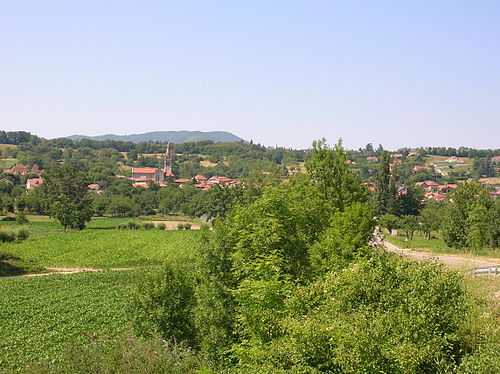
{"points": [[6, 163], [101, 247], [40, 316]]}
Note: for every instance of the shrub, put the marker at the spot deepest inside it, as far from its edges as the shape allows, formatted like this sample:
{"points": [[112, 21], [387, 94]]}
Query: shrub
{"points": [[22, 234], [180, 226], [9, 235], [8, 219], [21, 217], [187, 226], [123, 355], [148, 225], [131, 225], [161, 226], [204, 227], [163, 305]]}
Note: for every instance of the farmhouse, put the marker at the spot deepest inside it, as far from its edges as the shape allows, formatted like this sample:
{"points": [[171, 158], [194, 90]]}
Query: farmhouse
{"points": [[434, 196], [447, 188], [428, 185], [19, 169], [148, 174], [33, 182]]}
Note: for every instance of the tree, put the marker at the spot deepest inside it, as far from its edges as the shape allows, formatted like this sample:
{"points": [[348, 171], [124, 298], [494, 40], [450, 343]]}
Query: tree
{"points": [[409, 224], [66, 197], [384, 193], [121, 206], [389, 221], [430, 218], [467, 218], [328, 169]]}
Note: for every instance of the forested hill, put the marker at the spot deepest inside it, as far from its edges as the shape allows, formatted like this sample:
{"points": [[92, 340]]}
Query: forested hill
{"points": [[165, 136]]}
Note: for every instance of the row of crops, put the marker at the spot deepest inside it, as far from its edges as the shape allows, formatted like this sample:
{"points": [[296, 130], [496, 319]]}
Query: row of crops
{"points": [[41, 316]]}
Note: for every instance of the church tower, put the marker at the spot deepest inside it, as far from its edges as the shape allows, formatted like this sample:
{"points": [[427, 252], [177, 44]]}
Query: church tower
{"points": [[167, 162]]}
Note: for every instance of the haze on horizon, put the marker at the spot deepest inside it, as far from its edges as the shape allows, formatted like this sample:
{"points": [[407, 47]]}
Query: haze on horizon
{"points": [[280, 72]]}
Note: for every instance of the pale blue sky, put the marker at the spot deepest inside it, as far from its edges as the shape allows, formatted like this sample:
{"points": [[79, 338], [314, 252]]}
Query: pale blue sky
{"points": [[400, 73]]}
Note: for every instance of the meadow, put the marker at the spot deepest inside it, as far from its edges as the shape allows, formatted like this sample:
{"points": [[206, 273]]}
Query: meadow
{"points": [[100, 245], [436, 244], [41, 316]]}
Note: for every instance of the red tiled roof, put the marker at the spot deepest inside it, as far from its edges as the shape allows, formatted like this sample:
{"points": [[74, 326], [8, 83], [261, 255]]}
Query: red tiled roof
{"points": [[144, 170], [182, 180], [169, 174], [143, 185], [200, 177], [93, 186]]}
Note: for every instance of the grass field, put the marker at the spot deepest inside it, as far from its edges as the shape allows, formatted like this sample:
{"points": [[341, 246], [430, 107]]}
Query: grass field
{"points": [[41, 316], [437, 245], [7, 163], [100, 245]]}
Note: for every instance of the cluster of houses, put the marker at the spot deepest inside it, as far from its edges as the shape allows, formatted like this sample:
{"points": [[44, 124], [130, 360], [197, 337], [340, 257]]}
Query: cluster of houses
{"points": [[435, 190], [438, 191], [141, 177], [22, 170]]}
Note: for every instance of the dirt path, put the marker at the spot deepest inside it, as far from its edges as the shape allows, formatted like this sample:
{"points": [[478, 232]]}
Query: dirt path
{"points": [[53, 271], [450, 260]]}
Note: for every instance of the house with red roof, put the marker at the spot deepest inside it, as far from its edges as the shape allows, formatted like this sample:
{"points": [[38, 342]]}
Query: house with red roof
{"points": [[19, 169], [450, 187], [428, 185], [372, 159], [148, 174], [94, 187], [434, 196], [200, 178], [34, 182]]}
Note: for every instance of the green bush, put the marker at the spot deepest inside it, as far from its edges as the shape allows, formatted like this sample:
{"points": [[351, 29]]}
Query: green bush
{"points": [[180, 226], [12, 235], [148, 225], [161, 226], [163, 305], [131, 225], [123, 355], [187, 226], [21, 217]]}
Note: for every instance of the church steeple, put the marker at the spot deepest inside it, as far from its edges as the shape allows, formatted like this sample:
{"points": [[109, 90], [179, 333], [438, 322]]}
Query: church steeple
{"points": [[167, 161]]}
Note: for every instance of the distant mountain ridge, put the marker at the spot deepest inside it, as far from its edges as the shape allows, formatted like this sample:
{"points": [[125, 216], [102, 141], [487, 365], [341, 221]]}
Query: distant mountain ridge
{"points": [[167, 136]]}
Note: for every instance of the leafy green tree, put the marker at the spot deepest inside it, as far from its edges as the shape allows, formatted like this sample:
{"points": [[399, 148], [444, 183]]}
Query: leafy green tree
{"points": [[328, 169], [346, 240], [164, 303], [66, 197], [430, 218], [121, 206], [410, 224], [383, 198], [382, 315], [389, 221], [467, 216]]}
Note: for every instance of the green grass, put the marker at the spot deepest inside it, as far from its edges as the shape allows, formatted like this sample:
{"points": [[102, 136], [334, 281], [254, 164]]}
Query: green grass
{"points": [[41, 316], [7, 163], [418, 242], [105, 248], [11, 265], [437, 245]]}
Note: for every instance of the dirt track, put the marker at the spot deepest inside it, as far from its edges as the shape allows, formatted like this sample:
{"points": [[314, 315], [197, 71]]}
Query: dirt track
{"points": [[450, 260]]}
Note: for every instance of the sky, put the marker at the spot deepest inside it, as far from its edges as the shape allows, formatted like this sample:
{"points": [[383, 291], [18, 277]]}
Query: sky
{"points": [[280, 72]]}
